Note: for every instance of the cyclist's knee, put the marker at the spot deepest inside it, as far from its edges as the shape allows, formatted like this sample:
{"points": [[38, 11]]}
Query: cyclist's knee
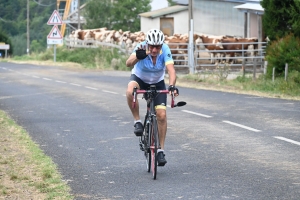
{"points": [[129, 93], [130, 87], [161, 115]]}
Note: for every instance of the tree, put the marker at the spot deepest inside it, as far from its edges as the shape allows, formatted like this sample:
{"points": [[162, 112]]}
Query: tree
{"points": [[295, 18], [281, 18], [171, 3], [98, 14], [121, 14], [13, 22], [125, 14], [36, 46], [280, 52]]}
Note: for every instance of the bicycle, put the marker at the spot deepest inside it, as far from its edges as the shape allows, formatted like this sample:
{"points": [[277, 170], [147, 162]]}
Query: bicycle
{"points": [[149, 141]]}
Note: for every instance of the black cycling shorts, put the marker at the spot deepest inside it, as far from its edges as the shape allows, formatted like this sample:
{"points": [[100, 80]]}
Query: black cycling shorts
{"points": [[160, 101]]}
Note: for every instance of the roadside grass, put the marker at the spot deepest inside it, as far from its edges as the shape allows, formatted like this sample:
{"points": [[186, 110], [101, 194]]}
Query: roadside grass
{"points": [[25, 171], [89, 58], [262, 86]]}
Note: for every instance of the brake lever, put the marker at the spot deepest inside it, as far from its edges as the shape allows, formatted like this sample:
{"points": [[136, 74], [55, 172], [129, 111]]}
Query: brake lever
{"points": [[179, 104], [173, 100]]}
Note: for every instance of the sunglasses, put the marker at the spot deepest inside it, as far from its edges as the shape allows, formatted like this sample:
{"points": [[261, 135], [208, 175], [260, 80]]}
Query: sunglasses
{"points": [[155, 46]]}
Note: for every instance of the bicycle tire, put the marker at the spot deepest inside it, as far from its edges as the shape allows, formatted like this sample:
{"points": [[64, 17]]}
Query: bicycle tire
{"points": [[154, 146], [147, 151]]}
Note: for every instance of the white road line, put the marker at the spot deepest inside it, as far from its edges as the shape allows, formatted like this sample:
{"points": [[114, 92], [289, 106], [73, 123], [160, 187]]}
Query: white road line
{"points": [[109, 92], [242, 126], [75, 84], [60, 82], [287, 140], [35, 77], [47, 79], [91, 88], [199, 114]]}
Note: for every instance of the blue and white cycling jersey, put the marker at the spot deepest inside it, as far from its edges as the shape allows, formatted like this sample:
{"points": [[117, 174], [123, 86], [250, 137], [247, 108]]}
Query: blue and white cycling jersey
{"points": [[149, 73]]}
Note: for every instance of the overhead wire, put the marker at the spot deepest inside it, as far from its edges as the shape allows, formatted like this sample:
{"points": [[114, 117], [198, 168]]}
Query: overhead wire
{"points": [[44, 4]]}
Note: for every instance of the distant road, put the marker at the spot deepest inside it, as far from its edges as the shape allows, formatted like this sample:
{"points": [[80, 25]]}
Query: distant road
{"points": [[219, 146]]}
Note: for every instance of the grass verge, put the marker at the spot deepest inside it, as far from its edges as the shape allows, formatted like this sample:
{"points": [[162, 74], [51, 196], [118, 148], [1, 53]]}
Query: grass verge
{"points": [[89, 58], [25, 171], [261, 86]]}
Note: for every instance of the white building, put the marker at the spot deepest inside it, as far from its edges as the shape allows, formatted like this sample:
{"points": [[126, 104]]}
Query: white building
{"points": [[170, 20], [228, 17], [211, 17]]}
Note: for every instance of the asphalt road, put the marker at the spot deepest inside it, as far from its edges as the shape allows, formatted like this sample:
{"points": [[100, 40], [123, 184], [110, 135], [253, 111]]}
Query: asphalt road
{"points": [[219, 146]]}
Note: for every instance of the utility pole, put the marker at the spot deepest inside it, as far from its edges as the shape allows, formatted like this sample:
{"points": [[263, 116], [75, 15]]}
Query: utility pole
{"points": [[190, 13], [28, 36], [78, 1], [191, 39]]}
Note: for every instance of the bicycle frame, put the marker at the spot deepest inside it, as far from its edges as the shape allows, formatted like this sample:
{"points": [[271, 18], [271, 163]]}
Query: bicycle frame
{"points": [[149, 141]]}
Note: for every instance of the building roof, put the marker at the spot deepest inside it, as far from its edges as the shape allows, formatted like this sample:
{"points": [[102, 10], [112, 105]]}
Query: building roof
{"points": [[186, 2], [164, 11], [241, 1], [252, 7], [182, 2]]}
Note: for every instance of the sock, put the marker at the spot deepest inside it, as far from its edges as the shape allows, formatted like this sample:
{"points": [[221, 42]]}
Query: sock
{"points": [[135, 121], [160, 150]]}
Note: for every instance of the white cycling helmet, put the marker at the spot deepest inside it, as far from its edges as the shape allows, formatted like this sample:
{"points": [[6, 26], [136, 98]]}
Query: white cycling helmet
{"points": [[155, 37]]}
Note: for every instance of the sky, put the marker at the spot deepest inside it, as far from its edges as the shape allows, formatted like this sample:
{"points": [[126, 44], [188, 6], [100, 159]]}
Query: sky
{"points": [[158, 4]]}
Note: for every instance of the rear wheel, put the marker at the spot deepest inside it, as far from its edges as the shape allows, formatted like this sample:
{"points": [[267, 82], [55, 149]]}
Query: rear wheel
{"points": [[154, 146]]}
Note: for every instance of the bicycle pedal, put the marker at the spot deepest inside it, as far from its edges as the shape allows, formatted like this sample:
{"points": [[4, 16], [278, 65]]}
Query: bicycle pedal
{"points": [[142, 147]]}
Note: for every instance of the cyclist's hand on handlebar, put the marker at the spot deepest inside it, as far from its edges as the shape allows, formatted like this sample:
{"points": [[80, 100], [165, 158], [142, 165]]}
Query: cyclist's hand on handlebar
{"points": [[173, 89], [141, 53]]}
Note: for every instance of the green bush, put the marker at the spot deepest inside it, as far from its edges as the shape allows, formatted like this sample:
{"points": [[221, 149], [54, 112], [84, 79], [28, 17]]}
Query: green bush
{"points": [[19, 44], [37, 46], [282, 51], [294, 76], [243, 79], [47, 55], [100, 58]]}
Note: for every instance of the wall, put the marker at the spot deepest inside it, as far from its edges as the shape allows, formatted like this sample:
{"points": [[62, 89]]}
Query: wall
{"points": [[148, 23], [217, 18], [180, 22], [253, 25]]}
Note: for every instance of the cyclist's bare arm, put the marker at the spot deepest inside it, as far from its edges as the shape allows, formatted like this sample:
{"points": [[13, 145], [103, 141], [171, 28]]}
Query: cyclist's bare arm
{"points": [[172, 75], [131, 61]]}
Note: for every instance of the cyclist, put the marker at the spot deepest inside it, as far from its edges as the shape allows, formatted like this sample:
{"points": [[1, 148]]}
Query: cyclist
{"points": [[149, 60]]}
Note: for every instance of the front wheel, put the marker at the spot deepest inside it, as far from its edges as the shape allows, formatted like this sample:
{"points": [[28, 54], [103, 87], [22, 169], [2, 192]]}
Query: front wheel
{"points": [[154, 146], [147, 151]]}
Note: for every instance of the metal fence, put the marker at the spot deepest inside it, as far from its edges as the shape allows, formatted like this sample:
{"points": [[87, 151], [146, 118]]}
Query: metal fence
{"points": [[77, 43], [243, 58]]}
